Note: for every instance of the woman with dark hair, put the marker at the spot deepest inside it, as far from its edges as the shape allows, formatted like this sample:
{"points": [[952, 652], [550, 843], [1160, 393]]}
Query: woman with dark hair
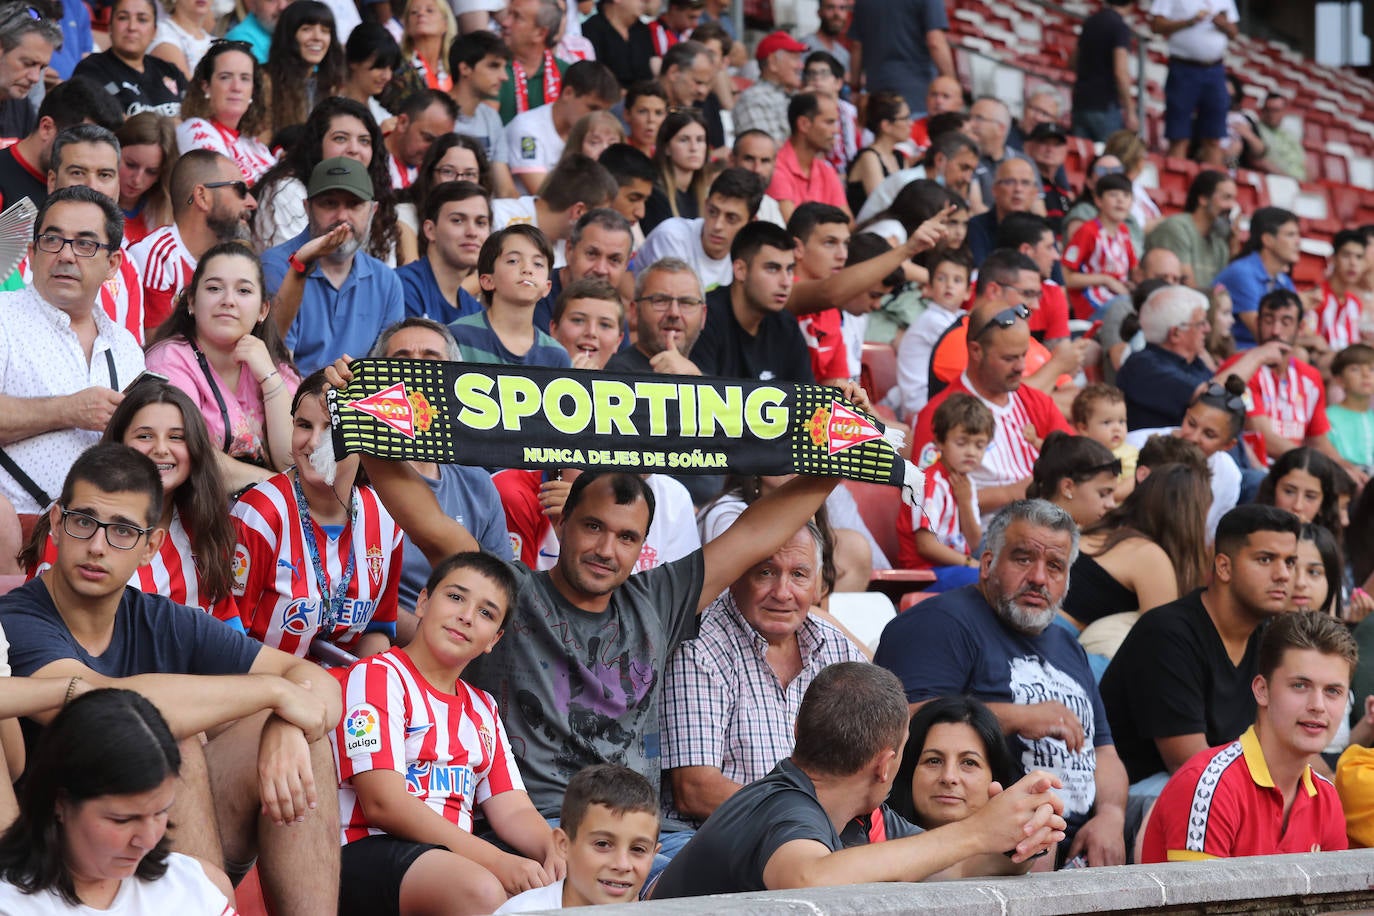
{"points": [[371, 56], [305, 65], [1303, 481], [1317, 578], [193, 565], [680, 153], [452, 157], [346, 590], [1078, 475], [139, 81], [889, 118], [919, 201], [223, 111], [336, 127], [1146, 552], [220, 348], [92, 828]]}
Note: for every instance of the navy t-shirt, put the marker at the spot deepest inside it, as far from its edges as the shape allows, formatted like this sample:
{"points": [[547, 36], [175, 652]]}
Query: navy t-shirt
{"points": [[152, 635], [424, 299], [954, 645], [1103, 32]]}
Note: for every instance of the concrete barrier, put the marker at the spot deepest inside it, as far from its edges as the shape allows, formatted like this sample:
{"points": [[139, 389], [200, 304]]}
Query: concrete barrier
{"points": [[1327, 882]]}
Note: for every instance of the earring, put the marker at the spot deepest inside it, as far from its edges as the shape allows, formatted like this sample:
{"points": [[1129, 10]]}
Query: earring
{"points": [[207, 95]]}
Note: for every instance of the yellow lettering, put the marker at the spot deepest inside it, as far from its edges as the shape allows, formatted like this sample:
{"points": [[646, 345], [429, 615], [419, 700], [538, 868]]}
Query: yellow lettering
{"points": [[721, 411], [615, 403], [581, 415], [764, 413], [520, 398], [687, 405], [480, 411], [657, 394]]}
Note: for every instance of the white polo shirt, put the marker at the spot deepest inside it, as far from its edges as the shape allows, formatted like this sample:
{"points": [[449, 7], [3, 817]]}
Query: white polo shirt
{"points": [[1203, 42], [41, 357]]}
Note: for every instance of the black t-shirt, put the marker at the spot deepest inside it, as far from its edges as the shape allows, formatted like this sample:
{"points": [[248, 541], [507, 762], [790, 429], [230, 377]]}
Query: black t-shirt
{"points": [[731, 850], [1103, 32], [776, 352], [629, 360], [17, 181], [17, 118], [158, 88], [628, 58], [1172, 677]]}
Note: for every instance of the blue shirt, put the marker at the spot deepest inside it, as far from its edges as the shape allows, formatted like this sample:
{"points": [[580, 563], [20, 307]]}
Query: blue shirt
{"points": [[955, 645], [1158, 385], [467, 496], [1247, 282], [251, 31], [478, 343], [424, 299], [332, 322], [77, 40]]}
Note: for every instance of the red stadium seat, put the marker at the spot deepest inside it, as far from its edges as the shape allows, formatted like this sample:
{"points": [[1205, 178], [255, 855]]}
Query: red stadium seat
{"points": [[1334, 170], [879, 372], [911, 599]]}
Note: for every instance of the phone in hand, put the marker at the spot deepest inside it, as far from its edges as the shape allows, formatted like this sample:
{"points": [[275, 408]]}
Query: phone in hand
{"points": [[144, 376]]}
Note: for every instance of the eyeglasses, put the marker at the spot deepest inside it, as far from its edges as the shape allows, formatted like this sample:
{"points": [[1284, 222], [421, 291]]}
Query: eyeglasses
{"points": [[119, 535], [1217, 392], [661, 303], [240, 188], [1100, 170], [82, 248], [451, 173], [1017, 182], [1005, 318], [1031, 294]]}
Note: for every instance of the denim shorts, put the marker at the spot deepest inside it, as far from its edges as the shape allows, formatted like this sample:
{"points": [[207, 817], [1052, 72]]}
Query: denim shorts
{"points": [[1195, 90]]}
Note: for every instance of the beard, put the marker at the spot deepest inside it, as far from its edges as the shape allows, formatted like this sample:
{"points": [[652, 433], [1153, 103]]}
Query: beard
{"points": [[1027, 620], [228, 227]]}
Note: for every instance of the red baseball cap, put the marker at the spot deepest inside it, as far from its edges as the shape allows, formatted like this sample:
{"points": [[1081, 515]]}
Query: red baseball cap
{"points": [[778, 41]]}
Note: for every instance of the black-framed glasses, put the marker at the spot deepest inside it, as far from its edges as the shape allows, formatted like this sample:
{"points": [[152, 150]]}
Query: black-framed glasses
{"points": [[660, 302], [119, 535], [240, 188], [1217, 392], [53, 243], [1004, 319], [453, 173]]}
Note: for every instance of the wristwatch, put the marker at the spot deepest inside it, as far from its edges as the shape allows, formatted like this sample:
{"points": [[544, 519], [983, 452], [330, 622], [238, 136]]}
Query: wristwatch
{"points": [[298, 265]]}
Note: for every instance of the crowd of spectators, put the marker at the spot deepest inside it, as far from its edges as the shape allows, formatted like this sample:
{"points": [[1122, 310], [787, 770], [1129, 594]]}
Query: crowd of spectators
{"points": [[1145, 530]]}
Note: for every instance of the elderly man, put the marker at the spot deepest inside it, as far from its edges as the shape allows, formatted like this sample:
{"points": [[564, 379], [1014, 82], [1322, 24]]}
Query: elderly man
{"points": [[990, 123], [1016, 190], [763, 106], [730, 696], [64, 362], [1201, 235], [332, 297], [1158, 264], [1160, 380], [1044, 106], [996, 641], [670, 309], [784, 831]]}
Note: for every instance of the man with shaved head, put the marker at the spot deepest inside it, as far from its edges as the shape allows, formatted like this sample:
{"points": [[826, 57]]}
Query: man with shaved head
{"points": [[997, 340], [945, 94], [210, 204]]}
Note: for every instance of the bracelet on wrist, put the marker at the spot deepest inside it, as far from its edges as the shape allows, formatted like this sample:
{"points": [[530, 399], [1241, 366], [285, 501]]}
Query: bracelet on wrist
{"points": [[263, 380], [71, 689]]}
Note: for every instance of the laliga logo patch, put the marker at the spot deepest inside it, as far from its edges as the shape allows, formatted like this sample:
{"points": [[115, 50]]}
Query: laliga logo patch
{"points": [[527, 149], [374, 565], [362, 735], [407, 412], [240, 568], [929, 455], [838, 428]]}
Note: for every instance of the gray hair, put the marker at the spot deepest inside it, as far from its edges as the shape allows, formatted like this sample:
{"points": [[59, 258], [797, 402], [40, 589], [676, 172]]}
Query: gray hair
{"points": [[1037, 512], [384, 339], [1005, 118], [18, 20], [80, 133], [1169, 308], [665, 266], [549, 16], [603, 218]]}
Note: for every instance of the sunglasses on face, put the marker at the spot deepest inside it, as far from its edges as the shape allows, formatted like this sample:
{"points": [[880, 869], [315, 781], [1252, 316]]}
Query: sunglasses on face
{"points": [[240, 188]]}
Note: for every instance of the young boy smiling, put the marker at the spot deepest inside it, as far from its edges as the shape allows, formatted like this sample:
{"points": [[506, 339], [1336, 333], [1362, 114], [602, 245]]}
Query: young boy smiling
{"points": [[608, 835], [1258, 795], [418, 748]]}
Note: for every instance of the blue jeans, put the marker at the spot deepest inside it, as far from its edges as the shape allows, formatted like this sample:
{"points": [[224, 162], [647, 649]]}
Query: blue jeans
{"points": [[1097, 125]]}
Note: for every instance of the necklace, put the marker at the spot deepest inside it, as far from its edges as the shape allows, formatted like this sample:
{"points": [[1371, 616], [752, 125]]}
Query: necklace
{"points": [[332, 602]]}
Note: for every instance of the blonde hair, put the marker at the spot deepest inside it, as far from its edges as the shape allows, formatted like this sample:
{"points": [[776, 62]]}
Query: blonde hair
{"points": [[450, 33]]}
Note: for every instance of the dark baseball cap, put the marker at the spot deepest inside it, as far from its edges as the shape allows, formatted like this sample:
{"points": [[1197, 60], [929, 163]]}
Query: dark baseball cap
{"points": [[1051, 132], [341, 174]]}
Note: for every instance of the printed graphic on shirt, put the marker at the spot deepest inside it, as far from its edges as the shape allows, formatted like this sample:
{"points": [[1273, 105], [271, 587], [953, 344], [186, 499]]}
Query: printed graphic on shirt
{"points": [[1034, 680]]}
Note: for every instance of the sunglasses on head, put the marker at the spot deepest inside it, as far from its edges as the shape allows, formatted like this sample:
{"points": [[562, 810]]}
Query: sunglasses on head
{"points": [[1004, 319], [1217, 392]]}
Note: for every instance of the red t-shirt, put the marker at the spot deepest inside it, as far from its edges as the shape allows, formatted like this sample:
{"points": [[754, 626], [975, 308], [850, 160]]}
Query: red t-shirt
{"points": [[1223, 803], [825, 343], [1294, 402]]}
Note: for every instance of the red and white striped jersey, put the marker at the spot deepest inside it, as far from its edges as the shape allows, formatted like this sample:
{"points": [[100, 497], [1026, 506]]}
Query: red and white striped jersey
{"points": [[172, 573], [166, 266], [249, 153], [1095, 251], [450, 747], [401, 175], [1338, 319], [1294, 402], [663, 37], [1010, 457], [279, 595], [121, 296], [939, 514]]}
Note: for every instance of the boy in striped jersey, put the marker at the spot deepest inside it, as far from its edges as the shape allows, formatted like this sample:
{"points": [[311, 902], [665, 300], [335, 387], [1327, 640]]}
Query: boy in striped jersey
{"points": [[418, 746], [1258, 795], [942, 533]]}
